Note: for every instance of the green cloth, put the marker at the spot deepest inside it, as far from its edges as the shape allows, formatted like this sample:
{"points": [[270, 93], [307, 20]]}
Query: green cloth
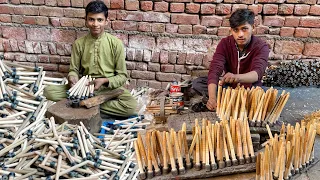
{"points": [[100, 57], [103, 57], [55, 92]]}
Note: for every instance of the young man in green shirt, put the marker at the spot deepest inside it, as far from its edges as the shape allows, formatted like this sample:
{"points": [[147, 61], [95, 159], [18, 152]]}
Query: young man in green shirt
{"points": [[101, 55]]}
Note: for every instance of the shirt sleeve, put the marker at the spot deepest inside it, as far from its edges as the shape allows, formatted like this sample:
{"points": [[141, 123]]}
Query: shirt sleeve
{"points": [[217, 64], [260, 61], [74, 69], [120, 67]]}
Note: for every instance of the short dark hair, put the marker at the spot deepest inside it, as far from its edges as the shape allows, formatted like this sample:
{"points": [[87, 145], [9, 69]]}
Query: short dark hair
{"points": [[97, 7], [240, 17]]}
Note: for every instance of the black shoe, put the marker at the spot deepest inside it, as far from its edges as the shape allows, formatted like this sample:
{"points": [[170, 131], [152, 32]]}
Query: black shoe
{"points": [[199, 107]]}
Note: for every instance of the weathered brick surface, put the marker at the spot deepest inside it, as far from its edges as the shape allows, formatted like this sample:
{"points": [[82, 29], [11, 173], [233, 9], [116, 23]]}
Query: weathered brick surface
{"points": [[163, 39]]}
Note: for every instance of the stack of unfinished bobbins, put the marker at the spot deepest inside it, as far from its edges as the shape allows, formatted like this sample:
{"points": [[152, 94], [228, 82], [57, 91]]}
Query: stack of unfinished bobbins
{"points": [[287, 154], [213, 146], [83, 89], [258, 106]]}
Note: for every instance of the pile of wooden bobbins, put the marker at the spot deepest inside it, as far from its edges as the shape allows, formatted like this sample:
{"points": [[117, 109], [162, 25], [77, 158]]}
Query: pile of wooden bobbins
{"points": [[259, 106], [288, 153], [210, 149], [83, 89]]}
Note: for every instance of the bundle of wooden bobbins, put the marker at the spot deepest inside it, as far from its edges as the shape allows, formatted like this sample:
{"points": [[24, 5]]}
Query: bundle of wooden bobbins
{"points": [[259, 106], [83, 89], [288, 153], [210, 149], [51, 151]]}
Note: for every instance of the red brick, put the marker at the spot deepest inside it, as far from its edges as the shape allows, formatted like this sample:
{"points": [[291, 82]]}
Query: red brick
{"points": [[4, 1], [48, 67], [17, 33], [78, 22], [141, 42], [301, 9], [292, 21], [225, 22], [55, 22], [208, 8], [261, 30], [286, 31], [154, 67], [6, 9], [294, 1], [302, 32], [130, 65], [181, 58], [315, 32], [202, 1], [15, 2], [118, 25], [167, 68], [5, 18], [129, 15], [312, 49], [50, 11], [38, 34], [198, 29], [156, 17], [172, 57], [146, 5], [212, 31], [286, 9], [76, 3], [17, 19], [131, 26], [66, 22], [144, 27], [271, 1], [158, 28], [277, 21], [44, 48], [161, 6], [192, 8], [51, 2], [14, 45], [184, 19], [255, 8], [141, 66], [223, 31], [167, 43], [64, 3], [172, 28], [146, 55], [130, 54], [311, 2], [185, 29], [143, 75], [29, 20], [60, 48], [112, 14], [168, 76], [67, 36], [223, 9], [176, 7], [180, 69], [190, 58], [164, 57], [288, 47], [270, 9], [132, 5], [198, 59], [38, 2], [310, 22], [73, 12], [315, 10], [116, 4], [155, 56], [239, 6], [199, 45], [274, 31], [211, 21], [26, 10], [40, 20]]}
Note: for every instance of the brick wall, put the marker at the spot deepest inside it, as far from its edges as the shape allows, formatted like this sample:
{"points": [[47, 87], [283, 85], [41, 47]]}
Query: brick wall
{"points": [[164, 39]]}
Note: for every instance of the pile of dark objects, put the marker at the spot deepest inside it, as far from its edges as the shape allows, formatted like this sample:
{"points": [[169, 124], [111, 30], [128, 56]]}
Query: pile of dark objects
{"points": [[293, 74]]}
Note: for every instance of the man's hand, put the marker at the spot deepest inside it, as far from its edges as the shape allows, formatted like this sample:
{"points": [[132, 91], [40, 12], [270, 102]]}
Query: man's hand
{"points": [[73, 80], [229, 78], [99, 82], [212, 104]]}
